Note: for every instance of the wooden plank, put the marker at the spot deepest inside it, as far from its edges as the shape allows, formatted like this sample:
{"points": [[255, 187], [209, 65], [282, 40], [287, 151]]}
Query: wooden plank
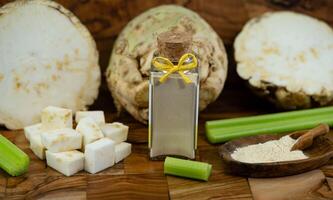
{"points": [[307, 186], [3, 184], [219, 186], [129, 186], [19, 187], [138, 162], [49, 187], [117, 169], [9, 135], [20, 140], [211, 156], [137, 133], [64, 195], [61, 187]]}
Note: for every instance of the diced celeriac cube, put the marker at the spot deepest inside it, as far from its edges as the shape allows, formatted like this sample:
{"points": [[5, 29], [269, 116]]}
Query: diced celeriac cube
{"points": [[31, 130], [98, 116], [60, 140], [56, 118], [89, 130], [68, 162], [99, 155], [115, 131], [36, 145], [122, 151]]}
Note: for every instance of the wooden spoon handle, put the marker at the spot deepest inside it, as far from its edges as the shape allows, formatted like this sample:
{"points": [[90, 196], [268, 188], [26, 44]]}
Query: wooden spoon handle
{"points": [[319, 130], [306, 140]]}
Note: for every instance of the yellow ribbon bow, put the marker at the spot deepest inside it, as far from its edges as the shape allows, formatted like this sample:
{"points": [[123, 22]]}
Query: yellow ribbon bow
{"points": [[165, 64]]}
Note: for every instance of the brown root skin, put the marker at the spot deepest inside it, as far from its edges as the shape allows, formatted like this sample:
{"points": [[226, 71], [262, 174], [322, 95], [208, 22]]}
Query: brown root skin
{"points": [[128, 72], [286, 100]]}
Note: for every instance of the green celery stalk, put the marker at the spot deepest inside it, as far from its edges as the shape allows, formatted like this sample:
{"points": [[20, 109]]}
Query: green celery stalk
{"points": [[233, 130], [187, 168], [328, 117], [217, 137], [12, 159], [268, 117]]}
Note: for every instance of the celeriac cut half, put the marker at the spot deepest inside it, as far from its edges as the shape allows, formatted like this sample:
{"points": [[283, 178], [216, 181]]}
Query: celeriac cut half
{"points": [[288, 58], [47, 57]]}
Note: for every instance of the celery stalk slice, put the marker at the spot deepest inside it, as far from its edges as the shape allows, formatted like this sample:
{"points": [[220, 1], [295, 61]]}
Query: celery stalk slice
{"points": [[268, 117], [235, 128], [187, 168], [12, 159]]}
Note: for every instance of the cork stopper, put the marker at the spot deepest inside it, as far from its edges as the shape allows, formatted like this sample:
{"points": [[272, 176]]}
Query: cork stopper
{"points": [[173, 44]]}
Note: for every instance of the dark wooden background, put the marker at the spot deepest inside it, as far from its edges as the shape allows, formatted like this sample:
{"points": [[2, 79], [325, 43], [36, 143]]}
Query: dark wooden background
{"points": [[137, 177]]}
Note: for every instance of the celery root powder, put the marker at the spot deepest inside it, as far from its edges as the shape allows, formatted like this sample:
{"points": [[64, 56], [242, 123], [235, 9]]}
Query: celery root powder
{"points": [[271, 151]]}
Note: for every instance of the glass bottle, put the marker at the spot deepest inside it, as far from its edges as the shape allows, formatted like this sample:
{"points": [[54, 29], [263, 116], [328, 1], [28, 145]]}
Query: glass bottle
{"points": [[173, 104]]}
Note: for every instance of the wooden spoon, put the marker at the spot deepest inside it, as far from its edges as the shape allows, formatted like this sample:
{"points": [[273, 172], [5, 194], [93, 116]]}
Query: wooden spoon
{"points": [[305, 138]]}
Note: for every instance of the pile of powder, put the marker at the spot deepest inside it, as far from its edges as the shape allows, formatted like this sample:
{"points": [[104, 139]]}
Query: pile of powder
{"points": [[271, 151]]}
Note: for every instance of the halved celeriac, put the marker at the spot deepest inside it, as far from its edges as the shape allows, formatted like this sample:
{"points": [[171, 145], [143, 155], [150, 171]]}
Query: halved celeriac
{"points": [[286, 57], [47, 57]]}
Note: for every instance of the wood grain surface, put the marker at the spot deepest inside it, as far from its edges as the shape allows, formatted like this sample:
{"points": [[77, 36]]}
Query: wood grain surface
{"points": [[137, 177]]}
